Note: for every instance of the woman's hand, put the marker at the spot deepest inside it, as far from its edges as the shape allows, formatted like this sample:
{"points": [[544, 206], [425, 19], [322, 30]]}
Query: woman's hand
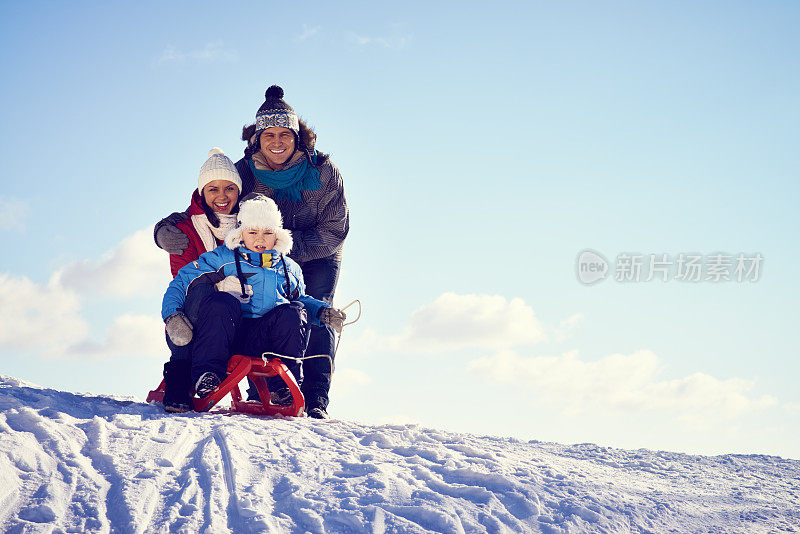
{"points": [[172, 239]]}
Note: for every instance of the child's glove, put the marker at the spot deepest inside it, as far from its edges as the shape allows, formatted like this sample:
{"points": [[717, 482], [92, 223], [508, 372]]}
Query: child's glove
{"points": [[172, 239], [333, 317], [231, 284], [179, 329]]}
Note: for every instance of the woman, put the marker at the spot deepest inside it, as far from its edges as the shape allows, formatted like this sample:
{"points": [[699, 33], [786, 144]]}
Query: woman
{"points": [[212, 212], [281, 162], [211, 215]]}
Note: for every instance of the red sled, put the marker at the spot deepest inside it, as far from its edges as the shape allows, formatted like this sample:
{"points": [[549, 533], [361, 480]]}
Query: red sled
{"points": [[257, 370]]}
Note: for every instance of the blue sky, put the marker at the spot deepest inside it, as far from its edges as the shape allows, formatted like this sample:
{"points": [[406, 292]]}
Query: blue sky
{"points": [[483, 147]]}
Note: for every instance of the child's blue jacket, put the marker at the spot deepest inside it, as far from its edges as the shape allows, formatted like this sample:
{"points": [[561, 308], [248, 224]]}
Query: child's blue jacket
{"points": [[264, 272]]}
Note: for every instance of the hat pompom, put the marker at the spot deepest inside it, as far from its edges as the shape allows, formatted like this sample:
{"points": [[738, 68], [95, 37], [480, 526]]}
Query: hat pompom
{"points": [[214, 151], [274, 91]]}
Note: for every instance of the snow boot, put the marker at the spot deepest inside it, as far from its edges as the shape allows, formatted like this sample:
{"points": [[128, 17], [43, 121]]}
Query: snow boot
{"points": [[177, 386], [281, 397], [206, 384], [318, 413]]}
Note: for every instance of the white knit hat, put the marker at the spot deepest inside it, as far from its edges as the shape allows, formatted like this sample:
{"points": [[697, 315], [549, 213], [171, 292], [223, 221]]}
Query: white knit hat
{"points": [[218, 166], [260, 211]]}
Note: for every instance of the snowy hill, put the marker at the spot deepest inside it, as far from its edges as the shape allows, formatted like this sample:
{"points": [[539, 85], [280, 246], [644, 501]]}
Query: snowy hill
{"points": [[81, 463]]}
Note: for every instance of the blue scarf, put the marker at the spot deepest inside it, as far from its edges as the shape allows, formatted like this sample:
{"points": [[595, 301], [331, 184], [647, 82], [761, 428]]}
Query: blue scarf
{"points": [[289, 183]]}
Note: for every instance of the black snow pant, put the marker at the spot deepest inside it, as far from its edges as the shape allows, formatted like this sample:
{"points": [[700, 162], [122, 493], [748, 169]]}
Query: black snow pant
{"points": [[177, 380], [221, 331], [191, 307], [320, 277]]}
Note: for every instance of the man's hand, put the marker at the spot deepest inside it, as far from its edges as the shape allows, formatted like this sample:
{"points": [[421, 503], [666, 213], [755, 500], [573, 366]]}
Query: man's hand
{"points": [[333, 317]]}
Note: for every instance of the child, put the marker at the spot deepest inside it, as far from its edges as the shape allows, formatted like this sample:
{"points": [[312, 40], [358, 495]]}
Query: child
{"points": [[260, 304]]}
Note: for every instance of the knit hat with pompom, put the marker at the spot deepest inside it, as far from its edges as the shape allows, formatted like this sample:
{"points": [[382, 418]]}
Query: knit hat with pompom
{"points": [[218, 166], [275, 112]]}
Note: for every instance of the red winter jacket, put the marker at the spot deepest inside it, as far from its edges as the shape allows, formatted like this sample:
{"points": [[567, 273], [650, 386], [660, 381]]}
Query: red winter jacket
{"points": [[196, 247]]}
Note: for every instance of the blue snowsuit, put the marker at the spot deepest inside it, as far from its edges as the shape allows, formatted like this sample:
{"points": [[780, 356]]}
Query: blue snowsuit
{"points": [[264, 272], [275, 318]]}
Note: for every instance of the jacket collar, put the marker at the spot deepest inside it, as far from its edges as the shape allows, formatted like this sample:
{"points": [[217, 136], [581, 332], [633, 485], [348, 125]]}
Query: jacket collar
{"points": [[269, 258]]}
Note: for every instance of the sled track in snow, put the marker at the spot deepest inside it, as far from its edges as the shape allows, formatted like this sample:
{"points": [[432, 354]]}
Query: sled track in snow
{"points": [[235, 522]]}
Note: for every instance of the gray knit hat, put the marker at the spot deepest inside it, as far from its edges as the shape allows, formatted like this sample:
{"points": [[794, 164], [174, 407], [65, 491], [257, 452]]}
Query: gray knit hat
{"points": [[218, 166], [275, 112]]}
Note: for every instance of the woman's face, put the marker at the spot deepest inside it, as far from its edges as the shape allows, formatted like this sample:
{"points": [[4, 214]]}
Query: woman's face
{"points": [[221, 195], [258, 239], [277, 145]]}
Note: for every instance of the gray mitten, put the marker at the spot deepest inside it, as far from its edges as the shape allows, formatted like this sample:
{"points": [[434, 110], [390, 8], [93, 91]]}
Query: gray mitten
{"points": [[333, 317], [172, 239], [179, 329]]}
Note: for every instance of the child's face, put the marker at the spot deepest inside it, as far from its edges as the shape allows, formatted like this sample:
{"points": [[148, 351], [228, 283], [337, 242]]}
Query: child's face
{"points": [[221, 195], [258, 239]]}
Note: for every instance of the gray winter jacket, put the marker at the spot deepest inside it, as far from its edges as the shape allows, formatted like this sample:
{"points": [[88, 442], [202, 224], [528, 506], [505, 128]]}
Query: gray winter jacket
{"points": [[319, 223]]}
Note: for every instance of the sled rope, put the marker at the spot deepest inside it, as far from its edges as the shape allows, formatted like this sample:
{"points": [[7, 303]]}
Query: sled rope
{"points": [[303, 358], [295, 358], [354, 320]]}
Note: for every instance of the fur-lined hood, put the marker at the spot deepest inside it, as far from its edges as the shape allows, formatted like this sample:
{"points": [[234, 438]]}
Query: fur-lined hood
{"points": [[260, 211], [283, 240]]}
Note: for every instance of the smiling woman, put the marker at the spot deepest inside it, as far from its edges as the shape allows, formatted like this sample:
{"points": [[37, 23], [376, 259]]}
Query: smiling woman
{"points": [[212, 212], [221, 196]]}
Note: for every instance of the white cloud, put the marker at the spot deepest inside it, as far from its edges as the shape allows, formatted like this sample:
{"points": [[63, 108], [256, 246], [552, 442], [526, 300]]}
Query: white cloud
{"points": [[622, 382], [49, 318], [214, 51], [13, 213], [308, 32], [137, 267], [567, 327], [39, 316], [455, 322], [129, 335], [395, 42], [359, 40], [171, 53]]}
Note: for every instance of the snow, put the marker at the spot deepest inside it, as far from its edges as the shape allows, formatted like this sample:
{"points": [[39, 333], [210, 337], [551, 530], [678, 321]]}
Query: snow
{"points": [[88, 463]]}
